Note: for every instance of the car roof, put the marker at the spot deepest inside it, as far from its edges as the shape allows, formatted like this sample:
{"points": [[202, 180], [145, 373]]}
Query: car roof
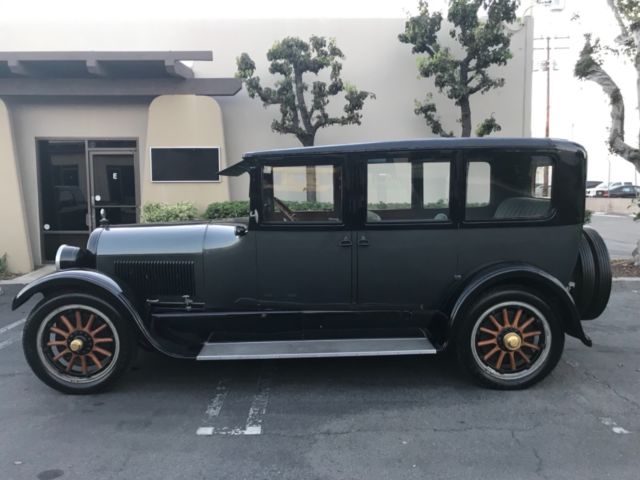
{"points": [[251, 159]]}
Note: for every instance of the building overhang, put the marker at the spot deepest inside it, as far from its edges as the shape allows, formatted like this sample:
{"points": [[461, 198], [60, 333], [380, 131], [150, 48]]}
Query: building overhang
{"points": [[107, 74]]}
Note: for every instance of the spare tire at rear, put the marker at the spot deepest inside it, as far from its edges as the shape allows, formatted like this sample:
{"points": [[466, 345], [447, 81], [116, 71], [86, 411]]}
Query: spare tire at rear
{"points": [[592, 276]]}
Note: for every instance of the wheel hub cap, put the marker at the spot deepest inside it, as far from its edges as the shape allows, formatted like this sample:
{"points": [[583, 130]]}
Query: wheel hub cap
{"points": [[512, 341], [76, 345]]}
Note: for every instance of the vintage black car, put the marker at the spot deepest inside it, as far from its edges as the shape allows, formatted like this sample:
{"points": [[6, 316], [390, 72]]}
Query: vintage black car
{"points": [[400, 248]]}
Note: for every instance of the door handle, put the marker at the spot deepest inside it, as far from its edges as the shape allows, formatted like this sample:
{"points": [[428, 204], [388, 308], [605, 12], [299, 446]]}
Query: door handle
{"points": [[346, 241], [363, 241]]}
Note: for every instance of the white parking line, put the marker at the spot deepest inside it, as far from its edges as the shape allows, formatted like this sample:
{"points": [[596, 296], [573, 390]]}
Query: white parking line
{"points": [[15, 324], [614, 426], [257, 410], [9, 341]]}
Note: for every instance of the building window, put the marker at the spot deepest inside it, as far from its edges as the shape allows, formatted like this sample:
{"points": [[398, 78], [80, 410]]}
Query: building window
{"points": [[193, 164]]}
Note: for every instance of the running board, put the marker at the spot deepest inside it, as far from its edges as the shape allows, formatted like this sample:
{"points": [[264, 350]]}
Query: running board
{"points": [[342, 347]]}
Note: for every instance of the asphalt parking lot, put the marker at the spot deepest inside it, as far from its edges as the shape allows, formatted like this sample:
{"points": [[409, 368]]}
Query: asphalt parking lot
{"points": [[368, 418], [620, 233]]}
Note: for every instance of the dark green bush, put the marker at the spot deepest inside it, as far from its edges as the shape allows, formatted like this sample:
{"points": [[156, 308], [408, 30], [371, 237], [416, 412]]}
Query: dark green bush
{"points": [[587, 216], [162, 212], [3, 264], [219, 210], [227, 210]]}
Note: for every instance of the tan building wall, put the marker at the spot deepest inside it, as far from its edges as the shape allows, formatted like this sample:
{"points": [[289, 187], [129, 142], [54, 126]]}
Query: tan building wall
{"points": [[184, 121], [375, 61], [14, 238]]}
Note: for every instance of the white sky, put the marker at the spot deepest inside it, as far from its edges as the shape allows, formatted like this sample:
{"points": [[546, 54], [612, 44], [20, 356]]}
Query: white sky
{"points": [[165, 9]]}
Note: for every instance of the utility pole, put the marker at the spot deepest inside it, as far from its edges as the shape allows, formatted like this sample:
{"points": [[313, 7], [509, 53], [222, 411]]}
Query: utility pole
{"points": [[547, 66], [548, 69]]}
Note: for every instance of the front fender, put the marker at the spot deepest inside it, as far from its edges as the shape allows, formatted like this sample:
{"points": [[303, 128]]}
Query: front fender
{"points": [[92, 282], [519, 274]]}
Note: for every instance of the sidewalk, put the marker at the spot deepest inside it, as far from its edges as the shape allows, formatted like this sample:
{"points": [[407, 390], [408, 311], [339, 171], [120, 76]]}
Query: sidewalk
{"points": [[30, 277]]}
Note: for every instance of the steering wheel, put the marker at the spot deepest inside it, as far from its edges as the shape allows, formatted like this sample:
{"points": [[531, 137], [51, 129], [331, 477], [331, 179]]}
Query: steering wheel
{"points": [[286, 211]]}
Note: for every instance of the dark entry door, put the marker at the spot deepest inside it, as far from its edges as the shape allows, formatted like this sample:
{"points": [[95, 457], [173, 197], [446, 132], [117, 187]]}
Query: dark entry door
{"points": [[63, 194], [113, 187]]}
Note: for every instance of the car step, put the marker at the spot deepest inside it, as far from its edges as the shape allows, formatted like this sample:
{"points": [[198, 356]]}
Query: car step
{"points": [[342, 347]]}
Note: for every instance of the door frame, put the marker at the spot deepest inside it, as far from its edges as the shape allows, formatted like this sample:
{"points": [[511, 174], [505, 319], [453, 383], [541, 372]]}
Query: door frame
{"points": [[86, 139], [91, 181]]}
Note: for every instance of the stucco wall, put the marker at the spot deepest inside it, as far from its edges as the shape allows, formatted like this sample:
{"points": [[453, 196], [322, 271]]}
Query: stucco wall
{"points": [[14, 239], [375, 61], [184, 120]]}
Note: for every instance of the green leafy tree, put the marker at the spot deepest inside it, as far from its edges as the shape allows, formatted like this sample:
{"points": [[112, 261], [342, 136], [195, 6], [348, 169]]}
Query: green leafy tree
{"points": [[484, 43], [303, 106]]}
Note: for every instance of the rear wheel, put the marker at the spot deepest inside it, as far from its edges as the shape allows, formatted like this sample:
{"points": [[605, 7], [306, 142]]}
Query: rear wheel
{"points": [[78, 343], [509, 339]]}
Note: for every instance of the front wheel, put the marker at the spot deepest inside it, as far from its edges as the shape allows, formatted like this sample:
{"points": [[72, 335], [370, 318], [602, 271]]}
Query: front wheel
{"points": [[509, 339], [78, 343]]}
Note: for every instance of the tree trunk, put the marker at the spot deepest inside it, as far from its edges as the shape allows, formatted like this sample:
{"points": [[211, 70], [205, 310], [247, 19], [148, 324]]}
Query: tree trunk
{"points": [[616, 141], [465, 116], [311, 172]]}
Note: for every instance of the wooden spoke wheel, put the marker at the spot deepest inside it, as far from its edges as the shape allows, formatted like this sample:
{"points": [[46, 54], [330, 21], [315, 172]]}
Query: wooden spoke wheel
{"points": [[509, 340], [78, 343]]}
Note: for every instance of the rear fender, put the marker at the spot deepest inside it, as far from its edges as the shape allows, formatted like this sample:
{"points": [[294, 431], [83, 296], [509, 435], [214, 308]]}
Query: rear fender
{"points": [[518, 274], [94, 283]]}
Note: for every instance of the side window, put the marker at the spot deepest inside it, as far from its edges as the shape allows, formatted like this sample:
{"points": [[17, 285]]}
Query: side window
{"points": [[508, 185], [543, 175], [302, 193], [478, 184], [407, 189]]}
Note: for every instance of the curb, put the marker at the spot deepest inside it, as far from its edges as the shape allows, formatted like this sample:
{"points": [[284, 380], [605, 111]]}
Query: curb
{"points": [[626, 279]]}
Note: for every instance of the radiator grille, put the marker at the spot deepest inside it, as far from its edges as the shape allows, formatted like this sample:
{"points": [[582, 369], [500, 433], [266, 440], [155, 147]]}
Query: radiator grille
{"points": [[157, 277]]}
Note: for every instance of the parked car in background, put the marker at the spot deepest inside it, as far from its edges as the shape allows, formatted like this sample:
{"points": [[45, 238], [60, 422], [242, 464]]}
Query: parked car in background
{"points": [[599, 190], [592, 183], [406, 248], [623, 191]]}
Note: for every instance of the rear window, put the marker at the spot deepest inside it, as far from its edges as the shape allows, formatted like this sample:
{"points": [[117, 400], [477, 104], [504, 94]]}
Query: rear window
{"points": [[508, 185]]}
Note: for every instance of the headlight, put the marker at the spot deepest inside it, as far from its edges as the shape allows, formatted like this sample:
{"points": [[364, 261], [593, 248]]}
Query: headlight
{"points": [[68, 257]]}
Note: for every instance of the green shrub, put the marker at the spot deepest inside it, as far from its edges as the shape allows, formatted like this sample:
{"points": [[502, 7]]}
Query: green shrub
{"points": [[3, 264], [219, 210], [162, 212], [236, 209], [587, 216]]}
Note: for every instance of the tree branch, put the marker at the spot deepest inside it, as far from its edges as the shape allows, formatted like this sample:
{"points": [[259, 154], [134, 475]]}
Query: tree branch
{"points": [[589, 69], [624, 36]]}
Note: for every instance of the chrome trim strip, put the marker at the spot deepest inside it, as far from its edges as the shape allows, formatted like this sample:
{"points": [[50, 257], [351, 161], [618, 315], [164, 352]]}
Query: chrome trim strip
{"points": [[58, 255], [349, 347]]}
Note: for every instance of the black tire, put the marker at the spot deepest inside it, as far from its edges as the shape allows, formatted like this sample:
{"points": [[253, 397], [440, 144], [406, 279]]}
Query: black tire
{"points": [[584, 276], [41, 326], [550, 340], [602, 280]]}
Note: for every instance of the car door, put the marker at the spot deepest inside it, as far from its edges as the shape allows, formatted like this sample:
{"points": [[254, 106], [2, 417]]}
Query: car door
{"points": [[407, 240], [304, 246]]}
